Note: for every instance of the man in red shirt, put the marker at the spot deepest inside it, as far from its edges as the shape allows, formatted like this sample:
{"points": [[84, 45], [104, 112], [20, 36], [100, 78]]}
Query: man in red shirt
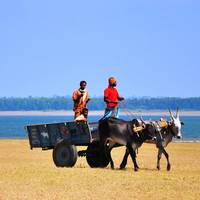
{"points": [[111, 97]]}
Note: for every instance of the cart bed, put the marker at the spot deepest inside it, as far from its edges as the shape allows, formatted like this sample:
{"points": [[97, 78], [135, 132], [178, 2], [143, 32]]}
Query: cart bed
{"points": [[46, 136]]}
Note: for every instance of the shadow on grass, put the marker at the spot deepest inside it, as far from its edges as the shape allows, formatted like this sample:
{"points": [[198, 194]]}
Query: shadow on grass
{"points": [[81, 166], [140, 169]]}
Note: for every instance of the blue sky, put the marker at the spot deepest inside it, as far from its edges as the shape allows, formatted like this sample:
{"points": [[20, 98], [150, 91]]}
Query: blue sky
{"points": [[152, 47]]}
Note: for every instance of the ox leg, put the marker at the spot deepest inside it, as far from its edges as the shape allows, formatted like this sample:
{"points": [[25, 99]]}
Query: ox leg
{"points": [[167, 157], [158, 158], [160, 151], [108, 148], [124, 161], [110, 158], [133, 156]]}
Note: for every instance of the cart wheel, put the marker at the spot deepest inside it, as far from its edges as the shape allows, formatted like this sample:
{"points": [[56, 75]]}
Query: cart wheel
{"points": [[95, 157], [64, 154]]}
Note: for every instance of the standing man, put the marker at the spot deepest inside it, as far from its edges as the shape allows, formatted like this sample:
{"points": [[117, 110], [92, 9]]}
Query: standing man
{"points": [[80, 98], [111, 97]]}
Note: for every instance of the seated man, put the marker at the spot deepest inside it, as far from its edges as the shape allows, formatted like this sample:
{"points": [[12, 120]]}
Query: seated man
{"points": [[80, 98], [83, 116]]}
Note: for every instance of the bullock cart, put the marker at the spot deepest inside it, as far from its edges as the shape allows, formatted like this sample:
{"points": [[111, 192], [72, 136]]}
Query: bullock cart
{"points": [[64, 137]]}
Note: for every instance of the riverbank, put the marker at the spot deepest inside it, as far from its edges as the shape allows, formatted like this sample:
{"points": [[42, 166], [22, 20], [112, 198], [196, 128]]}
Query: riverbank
{"points": [[96, 113], [27, 175]]}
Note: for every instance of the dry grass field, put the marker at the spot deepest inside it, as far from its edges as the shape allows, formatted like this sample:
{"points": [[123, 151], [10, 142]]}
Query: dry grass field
{"points": [[26, 174]]}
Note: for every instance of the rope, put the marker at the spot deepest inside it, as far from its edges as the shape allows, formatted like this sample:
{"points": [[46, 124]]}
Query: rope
{"points": [[128, 112]]}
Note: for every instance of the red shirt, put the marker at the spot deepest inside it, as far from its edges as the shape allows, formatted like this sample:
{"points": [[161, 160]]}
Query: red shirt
{"points": [[111, 94]]}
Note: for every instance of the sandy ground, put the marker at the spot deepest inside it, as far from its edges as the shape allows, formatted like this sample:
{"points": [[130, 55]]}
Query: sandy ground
{"points": [[31, 174], [95, 113]]}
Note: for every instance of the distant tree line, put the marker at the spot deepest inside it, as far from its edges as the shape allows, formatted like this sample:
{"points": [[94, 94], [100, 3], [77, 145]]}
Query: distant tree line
{"points": [[65, 103]]}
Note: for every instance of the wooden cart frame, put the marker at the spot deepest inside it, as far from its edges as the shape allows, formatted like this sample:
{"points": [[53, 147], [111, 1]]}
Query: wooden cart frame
{"points": [[63, 137]]}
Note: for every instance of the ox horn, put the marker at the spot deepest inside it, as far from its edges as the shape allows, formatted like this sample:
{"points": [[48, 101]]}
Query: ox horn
{"points": [[143, 122], [171, 115]]}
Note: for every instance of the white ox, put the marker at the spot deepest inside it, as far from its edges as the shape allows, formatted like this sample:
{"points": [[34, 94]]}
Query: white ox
{"points": [[173, 129]]}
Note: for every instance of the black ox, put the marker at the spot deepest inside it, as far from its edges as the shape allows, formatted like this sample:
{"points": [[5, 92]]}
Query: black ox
{"points": [[114, 132]]}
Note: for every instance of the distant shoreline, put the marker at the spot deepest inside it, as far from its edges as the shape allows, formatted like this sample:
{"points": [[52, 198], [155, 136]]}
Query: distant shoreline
{"points": [[96, 113]]}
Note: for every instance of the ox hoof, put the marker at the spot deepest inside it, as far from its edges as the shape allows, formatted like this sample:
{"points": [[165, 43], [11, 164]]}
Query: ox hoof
{"points": [[135, 169], [122, 167], [158, 167], [168, 167]]}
